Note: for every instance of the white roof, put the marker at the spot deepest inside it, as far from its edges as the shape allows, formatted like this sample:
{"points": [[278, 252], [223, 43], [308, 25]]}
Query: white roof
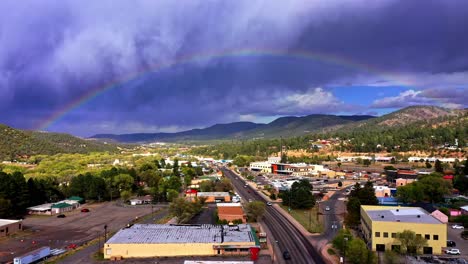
{"points": [[7, 221], [228, 204], [464, 207], [41, 207], [162, 234], [218, 194]]}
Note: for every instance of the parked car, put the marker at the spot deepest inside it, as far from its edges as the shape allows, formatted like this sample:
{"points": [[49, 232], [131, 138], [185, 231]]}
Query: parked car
{"points": [[451, 243], [453, 251], [61, 216], [269, 204], [85, 210], [327, 208], [457, 227], [286, 255]]}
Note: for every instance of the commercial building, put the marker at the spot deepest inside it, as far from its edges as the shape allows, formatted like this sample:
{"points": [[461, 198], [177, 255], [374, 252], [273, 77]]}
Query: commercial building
{"points": [[231, 212], [8, 227], [56, 208], [380, 225], [144, 241], [215, 197]]}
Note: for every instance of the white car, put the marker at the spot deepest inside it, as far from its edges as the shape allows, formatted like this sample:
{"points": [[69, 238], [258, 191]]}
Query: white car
{"points": [[453, 251], [269, 204], [457, 227], [327, 208]]}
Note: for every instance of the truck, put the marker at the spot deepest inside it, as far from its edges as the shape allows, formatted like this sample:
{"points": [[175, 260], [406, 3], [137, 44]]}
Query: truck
{"points": [[35, 255]]}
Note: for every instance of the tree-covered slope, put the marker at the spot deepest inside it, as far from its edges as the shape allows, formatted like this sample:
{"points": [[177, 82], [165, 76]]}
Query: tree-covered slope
{"points": [[15, 143]]}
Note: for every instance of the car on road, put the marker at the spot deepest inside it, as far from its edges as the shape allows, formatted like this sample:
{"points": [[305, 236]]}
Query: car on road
{"points": [[452, 251], [269, 204], [245, 186], [61, 216], [85, 210], [286, 255], [457, 227], [327, 208], [71, 246]]}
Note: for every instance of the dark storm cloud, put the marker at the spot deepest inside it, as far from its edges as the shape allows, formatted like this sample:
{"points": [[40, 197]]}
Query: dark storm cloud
{"points": [[53, 52]]}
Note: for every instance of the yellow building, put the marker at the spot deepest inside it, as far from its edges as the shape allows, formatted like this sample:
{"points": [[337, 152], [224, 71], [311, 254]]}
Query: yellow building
{"points": [[144, 241], [380, 224]]}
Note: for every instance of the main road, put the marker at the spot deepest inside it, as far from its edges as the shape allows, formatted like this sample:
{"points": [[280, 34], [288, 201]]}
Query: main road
{"points": [[288, 236]]}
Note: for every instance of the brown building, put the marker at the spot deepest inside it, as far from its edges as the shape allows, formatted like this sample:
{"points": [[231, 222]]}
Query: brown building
{"points": [[8, 227], [231, 212]]}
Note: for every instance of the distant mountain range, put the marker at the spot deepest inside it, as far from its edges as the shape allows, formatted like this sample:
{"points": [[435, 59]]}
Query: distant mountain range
{"points": [[290, 126], [15, 143], [285, 126]]}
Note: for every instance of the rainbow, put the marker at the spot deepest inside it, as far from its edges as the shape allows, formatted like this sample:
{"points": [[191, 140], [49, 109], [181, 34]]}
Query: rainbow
{"points": [[304, 55]]}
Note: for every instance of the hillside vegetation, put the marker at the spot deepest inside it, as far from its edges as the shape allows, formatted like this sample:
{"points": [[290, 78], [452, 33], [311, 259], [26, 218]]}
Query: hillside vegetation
{"points": [[15, 143], [413, 128]]}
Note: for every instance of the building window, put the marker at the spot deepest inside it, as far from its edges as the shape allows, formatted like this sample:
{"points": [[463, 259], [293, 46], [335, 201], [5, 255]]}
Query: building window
{"points": [[377, 234], [244, 250], [435, 237], [385, 234], [427, 236], [108, 251], [230, 249], [393, 235]]}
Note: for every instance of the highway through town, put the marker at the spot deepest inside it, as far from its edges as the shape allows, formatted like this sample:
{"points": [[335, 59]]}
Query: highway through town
{"points": [[288, 236]]}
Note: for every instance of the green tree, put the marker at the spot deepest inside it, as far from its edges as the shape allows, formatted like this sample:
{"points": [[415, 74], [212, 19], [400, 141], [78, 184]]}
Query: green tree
{"points": [[339, 242], [438, 166], [410, 242], [391, 257], [175, 168], [358, 253], [183, 210], [206, 186], [284, 158], [124, 182], [366, 162], [172, 194], [125, 195], [428, 165], [255, 210]]}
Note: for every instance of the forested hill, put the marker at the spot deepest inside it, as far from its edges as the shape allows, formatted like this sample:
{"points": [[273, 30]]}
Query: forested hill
{"points": [[410, 115], [16, 143], [414, 128], [289, 126]]}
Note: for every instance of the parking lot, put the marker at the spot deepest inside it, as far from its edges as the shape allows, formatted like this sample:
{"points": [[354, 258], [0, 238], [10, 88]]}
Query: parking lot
{"points": [[76, 228], [454, 235]]}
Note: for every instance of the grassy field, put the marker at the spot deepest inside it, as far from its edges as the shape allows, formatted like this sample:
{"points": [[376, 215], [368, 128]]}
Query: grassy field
{"points": [[307, 218]]}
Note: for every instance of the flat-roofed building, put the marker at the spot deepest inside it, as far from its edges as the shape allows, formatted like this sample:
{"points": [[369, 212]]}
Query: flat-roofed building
{"points": [[380, 225], [8, 227], [231, 212], [151, 240], [215, 197]]}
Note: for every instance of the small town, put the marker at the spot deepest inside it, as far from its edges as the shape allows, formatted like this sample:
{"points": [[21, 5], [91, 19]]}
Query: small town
{"points": [[233, 132]]}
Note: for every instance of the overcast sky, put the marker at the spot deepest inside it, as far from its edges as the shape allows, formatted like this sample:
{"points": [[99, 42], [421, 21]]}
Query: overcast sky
{"points": [[265, 59]]}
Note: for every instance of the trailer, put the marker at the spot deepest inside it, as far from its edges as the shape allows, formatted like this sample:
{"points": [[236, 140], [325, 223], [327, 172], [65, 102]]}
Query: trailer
{"points": [[33, 256]]}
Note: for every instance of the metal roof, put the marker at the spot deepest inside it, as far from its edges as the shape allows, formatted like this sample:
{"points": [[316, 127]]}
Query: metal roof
{"points": [[162, 234], [217, 194], [7, 222], [404, 215]]}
